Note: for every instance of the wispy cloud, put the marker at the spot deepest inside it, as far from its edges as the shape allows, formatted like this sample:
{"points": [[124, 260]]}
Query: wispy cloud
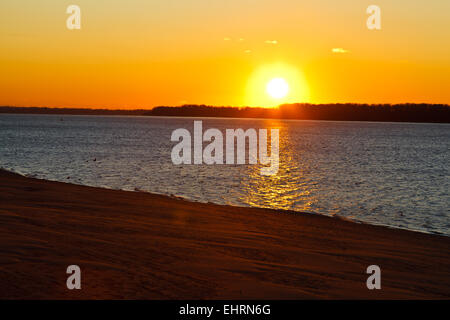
{"points": [[271, 41], [226, 39], [339, 50], [248, 51]]}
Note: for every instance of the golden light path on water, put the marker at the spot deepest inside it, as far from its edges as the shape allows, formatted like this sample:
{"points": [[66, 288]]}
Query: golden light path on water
{"points": [[285, 190]]}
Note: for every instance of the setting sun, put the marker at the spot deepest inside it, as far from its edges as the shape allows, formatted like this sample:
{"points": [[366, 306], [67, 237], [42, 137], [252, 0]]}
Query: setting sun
{"points": [[278, 88], [273, 84]]}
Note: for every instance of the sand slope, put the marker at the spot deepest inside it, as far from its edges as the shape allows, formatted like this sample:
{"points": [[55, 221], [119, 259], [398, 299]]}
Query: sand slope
{"points": [[134, 245]]}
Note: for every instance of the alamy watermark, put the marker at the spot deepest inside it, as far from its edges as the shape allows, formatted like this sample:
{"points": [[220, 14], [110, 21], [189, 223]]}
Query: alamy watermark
{"points": [[74, 280], [74, 20], [374, 20], [189, 150], [374, 281]]}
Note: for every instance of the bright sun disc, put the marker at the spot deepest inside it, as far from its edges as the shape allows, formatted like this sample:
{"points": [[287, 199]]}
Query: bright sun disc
{"points": [[271, 85], [278, 88]]}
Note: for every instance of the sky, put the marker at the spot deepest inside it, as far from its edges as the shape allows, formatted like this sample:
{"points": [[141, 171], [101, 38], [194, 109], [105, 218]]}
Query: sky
{"points": [[144, 53]]}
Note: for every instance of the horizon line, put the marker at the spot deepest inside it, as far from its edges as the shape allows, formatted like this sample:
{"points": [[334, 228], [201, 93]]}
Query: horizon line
{"points": [[223, 106]]}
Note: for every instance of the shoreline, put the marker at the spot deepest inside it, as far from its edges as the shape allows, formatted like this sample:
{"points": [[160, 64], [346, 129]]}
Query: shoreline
{"points": [[138, 245], [183, 198]]}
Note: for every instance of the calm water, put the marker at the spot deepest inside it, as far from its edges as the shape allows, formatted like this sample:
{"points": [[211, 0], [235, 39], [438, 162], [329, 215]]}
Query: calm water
{"points": [[383, 173]]}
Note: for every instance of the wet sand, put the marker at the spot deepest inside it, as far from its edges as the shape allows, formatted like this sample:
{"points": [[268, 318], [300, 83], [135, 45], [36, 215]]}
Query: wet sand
{"points": [[132, 245]]}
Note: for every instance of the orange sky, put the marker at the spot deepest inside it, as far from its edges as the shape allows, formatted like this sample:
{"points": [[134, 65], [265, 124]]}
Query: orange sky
{"points": [[139, 54]]}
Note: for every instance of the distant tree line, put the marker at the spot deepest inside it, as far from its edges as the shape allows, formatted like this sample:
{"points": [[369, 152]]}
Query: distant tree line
{"points": [[69, 111], [304, 111], [407, 112]]}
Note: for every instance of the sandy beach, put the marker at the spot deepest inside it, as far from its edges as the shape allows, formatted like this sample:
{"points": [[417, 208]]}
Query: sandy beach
{"points": [[133, 245]]}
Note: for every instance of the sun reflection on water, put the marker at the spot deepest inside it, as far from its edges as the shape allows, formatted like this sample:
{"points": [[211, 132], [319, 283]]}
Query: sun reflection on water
{"points": [[285, 190]]}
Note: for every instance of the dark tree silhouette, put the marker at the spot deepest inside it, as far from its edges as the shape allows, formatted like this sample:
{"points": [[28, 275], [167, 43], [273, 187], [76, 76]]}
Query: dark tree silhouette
{"points": [[303, 111], [407, 112]]}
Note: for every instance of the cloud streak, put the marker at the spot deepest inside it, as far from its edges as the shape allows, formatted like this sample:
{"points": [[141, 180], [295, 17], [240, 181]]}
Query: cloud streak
{"points": [[339, 50]]}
